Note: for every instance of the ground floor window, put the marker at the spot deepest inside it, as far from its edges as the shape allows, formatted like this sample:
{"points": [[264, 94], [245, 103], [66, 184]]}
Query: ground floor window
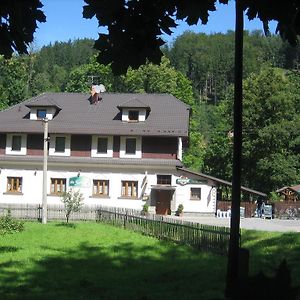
{"points": [[100, 187], [195, 193], [164, 179], [14, 184], [129, 189], [58, 186]]}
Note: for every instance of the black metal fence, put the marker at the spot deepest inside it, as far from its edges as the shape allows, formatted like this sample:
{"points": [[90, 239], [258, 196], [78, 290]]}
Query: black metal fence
{"points": [[205, 237]]}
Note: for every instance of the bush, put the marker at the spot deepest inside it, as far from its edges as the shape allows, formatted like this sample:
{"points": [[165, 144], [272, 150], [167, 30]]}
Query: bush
{"points": [[9, 225], [73, 201]]}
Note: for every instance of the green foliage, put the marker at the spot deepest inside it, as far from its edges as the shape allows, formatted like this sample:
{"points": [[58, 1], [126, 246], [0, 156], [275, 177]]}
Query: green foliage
{"points": [[80, 77], [9, 225], [274, 197], [73, 201], [179, 209], [145, 209], [271, 125]]}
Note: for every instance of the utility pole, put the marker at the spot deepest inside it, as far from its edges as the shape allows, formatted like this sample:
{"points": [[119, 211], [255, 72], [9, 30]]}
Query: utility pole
{"points": [[234, 244], [45, 164]]}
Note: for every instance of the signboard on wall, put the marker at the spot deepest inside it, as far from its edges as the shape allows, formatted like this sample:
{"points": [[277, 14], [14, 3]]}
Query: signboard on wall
{"points": [[81, 182], [184, 180]]}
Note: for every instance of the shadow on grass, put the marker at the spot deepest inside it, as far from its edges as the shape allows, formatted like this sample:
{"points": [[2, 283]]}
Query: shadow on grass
{"points": [[66, 225], [125, 271], [266, 254], [4, 249]]}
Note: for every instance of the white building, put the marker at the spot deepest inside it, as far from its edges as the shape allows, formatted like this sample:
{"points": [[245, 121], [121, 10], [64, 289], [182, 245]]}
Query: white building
{"points": [[120, 150]]}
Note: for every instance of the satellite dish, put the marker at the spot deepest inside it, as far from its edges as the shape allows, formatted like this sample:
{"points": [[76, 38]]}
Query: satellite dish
{"points": [[102, 88], [99, 88]]}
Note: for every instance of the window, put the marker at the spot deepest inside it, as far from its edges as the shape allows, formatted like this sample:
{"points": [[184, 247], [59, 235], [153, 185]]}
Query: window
{"points": [[164, 179], [14, 184], [16, 143], [133, 115], [100, 187], [41, 113], [130, 147], [102, 145], [58, 186], [129, 189], [60, 144], [195, 193]]}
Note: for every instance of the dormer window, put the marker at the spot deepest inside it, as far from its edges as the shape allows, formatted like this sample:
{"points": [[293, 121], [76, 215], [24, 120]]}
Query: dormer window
{"points": [[133, 115], [134, 110], [41, 113]]}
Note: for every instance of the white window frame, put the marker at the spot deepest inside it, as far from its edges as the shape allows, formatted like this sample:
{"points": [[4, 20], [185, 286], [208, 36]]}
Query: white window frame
{"points": [[9, 138], [67, 151], [94, 150], [195, 198], [125, 114], [50, 111], [138, 147]]}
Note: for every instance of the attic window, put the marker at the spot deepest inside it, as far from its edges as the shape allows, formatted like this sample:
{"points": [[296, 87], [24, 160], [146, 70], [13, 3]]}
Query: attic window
{"points": [[41, 113], [133, 115]]}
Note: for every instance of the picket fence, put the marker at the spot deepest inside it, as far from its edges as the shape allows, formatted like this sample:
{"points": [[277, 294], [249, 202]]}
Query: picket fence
{"points": [[205, 237]]}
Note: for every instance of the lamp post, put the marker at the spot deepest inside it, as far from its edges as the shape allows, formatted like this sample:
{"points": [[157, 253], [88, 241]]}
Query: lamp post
{"points": [[45, 163]]}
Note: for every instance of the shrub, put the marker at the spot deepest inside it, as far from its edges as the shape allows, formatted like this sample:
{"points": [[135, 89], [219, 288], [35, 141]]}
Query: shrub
{"points": [[73, 201], [9, 225]]}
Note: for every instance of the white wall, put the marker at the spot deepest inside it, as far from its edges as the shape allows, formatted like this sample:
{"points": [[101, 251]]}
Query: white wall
{"points": [[32, 189]]}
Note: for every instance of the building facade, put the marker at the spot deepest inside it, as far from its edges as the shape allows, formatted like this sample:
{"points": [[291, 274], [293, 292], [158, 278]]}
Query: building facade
{"points": [[120, 150]]}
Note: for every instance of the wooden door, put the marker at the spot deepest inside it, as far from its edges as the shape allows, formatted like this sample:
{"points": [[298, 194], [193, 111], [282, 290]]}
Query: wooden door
{"points": [[163, 202]]}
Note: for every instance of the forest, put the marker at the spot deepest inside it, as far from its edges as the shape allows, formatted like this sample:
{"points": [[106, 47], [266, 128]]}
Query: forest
{"points": [[199, 70]]}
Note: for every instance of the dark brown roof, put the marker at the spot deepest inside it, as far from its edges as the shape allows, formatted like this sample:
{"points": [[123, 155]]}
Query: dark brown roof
{"points": [[133, 103], [44, 100], [90, 161], [168, 116], [221, 181]]}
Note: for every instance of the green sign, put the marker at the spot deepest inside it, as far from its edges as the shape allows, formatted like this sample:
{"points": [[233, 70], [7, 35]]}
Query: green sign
{"points": [[81, 181], [185, 180]]}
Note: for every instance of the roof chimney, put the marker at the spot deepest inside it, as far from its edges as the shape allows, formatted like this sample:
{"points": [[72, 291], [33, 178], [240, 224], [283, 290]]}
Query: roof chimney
{"points": [[96, 90]]}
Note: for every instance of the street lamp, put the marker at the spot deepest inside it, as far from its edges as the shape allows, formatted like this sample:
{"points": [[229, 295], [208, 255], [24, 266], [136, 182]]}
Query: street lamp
{"points": [[45, 163]]}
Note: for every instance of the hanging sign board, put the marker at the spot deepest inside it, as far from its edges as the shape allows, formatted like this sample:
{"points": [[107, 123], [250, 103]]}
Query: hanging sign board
{"points": [[81, 181], [185, 180]]}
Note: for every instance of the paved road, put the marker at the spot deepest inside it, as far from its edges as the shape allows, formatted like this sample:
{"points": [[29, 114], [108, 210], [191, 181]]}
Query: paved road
{"points": [[250, 223]]}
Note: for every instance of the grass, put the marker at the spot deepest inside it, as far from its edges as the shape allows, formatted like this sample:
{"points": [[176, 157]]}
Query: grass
{"points": [[95, 261]]}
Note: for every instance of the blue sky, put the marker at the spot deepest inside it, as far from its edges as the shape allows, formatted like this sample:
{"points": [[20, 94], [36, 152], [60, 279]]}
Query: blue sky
{"points": [[65, 21]]}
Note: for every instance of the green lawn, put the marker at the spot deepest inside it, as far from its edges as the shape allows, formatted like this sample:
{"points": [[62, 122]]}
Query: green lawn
{"points": [[95, 261]]}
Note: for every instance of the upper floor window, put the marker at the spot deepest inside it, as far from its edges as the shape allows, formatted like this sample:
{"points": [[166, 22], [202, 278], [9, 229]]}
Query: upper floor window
{"points": [[131, 147], [41, 113], [129, 189], [14, 185], [195, 193], [58, 186], [102, 146], [16, 144], [133, 115], [60, 145], [100, 187], [164, 179]]}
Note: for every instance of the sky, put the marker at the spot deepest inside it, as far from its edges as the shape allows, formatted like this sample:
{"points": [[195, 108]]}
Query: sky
{"points": [[65, 22]]}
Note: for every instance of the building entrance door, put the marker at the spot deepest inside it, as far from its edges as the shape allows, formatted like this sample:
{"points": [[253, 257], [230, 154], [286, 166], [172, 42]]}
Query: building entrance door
{"points": [[163, 202]]}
